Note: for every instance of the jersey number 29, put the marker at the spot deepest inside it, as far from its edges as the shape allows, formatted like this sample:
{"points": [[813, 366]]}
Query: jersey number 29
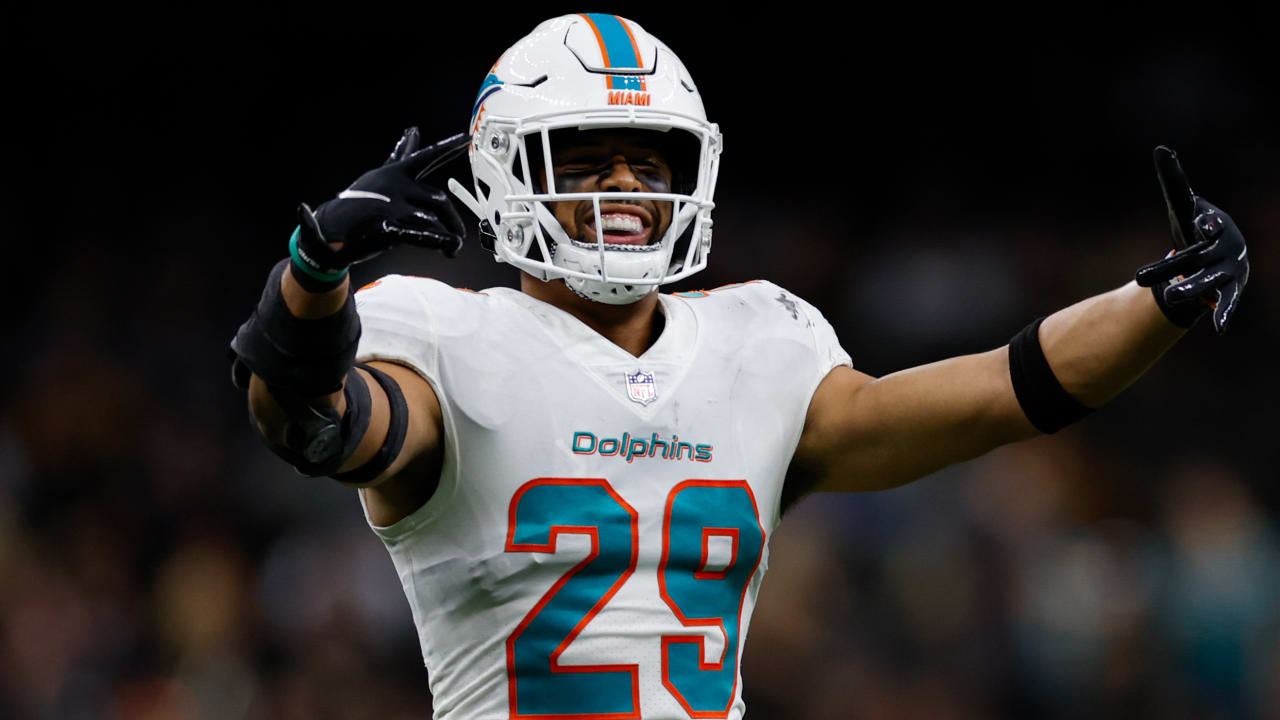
{"points": [[696, 511]]}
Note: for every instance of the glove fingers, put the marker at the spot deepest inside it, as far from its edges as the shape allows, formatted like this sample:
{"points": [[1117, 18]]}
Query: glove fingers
{"points": [[419, 232], [425, 196], [449, 245], [1181, 263], [1178, 197], [1228, 299], [421, 220], [387, 206], [449, 214], [1202, 284], [437, 202], [406, 146], [425, 161]]}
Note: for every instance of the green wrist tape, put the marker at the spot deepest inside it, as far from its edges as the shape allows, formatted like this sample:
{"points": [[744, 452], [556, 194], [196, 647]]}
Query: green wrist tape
{"points": [[301, 262]]}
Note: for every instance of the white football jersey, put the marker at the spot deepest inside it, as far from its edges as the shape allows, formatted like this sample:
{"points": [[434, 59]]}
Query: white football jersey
{"points": [[600, 530]]}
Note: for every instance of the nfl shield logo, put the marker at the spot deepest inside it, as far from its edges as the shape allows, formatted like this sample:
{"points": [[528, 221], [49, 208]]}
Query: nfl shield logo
{"points": [[640, 387]]}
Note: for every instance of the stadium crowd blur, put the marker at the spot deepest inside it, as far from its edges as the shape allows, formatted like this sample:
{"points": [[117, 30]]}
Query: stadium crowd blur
{"points": [[157, 562]]}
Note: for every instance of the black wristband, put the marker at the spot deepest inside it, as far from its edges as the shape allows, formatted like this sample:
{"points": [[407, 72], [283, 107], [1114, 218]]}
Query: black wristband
{"points": [[1047, 405]]}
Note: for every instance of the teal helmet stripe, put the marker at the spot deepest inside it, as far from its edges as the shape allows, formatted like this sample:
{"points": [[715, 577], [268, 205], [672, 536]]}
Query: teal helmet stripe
{"points": [[618, 48]]}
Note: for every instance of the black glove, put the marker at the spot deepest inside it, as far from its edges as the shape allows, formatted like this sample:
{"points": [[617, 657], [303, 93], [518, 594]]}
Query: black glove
{"points": [[1209, 265], [383, 207]]}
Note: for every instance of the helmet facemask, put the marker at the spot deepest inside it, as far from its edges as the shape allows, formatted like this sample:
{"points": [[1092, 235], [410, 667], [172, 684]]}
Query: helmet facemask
{"points": [[515, 187]]}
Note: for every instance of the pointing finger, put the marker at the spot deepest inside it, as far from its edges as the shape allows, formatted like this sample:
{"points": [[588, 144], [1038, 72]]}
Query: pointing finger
{"points": [[1178, 197]]}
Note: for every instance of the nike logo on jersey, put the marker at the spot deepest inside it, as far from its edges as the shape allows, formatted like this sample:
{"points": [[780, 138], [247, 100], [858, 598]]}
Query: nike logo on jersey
{"points": [[789, 304], [630, 448], [791, 307]]}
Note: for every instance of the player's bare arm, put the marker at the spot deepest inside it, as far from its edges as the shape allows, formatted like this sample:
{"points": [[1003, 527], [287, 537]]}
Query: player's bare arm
{"points": [[874, 433], [863, 433]]}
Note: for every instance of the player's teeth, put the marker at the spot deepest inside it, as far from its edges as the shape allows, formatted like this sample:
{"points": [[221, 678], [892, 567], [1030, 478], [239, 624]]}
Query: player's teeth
{"points": [[622, 222]]}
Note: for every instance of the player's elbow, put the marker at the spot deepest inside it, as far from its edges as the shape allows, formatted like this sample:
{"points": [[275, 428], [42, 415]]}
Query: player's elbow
{"points": [[268, 416]]}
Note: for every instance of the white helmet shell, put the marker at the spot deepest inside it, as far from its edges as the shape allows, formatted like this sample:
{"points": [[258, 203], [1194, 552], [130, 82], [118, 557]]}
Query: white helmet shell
{"points": [[587, 71]]}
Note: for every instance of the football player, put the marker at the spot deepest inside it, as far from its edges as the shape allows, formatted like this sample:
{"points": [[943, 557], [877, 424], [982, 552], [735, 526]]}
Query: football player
{"points": [[577, 481]]}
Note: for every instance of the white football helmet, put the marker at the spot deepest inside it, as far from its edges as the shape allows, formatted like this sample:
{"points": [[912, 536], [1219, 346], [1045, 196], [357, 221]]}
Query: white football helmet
{"points": [[586, 72]]}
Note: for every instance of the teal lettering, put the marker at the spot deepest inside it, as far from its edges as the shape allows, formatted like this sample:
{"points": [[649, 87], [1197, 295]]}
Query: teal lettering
{"points": [[584, 443], [637, 447], [588, 443], [654, 442]]}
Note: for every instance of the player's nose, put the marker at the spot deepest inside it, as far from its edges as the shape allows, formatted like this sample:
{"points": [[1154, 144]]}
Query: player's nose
{"points": [[620, 177]]}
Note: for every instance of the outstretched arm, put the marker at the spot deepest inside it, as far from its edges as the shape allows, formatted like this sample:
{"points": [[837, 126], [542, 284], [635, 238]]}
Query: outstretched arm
{"points": [[863, 433]]}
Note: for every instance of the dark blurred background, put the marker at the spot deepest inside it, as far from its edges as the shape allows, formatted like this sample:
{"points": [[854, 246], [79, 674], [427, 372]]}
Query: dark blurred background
{"points": [[932, 181]]}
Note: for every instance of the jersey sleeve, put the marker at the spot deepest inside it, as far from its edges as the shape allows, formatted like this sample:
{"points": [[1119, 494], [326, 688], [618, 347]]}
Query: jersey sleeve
{"points": [[396, 324], [827, 349], [800, 320]]}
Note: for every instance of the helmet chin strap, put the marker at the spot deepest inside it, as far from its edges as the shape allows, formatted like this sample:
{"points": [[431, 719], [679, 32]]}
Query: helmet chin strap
{"points": [[606, 298]]}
